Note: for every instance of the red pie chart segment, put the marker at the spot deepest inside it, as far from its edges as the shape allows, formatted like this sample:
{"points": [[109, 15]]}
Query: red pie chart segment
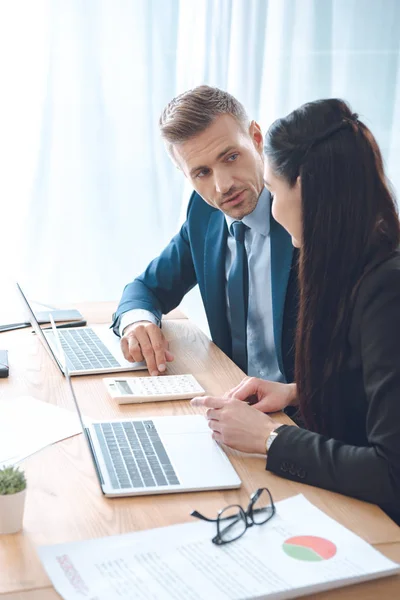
{"points": [[309, 548]]}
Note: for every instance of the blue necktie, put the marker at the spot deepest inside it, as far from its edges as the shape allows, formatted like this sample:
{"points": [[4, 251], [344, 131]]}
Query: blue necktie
{"points": [[238, 294]]}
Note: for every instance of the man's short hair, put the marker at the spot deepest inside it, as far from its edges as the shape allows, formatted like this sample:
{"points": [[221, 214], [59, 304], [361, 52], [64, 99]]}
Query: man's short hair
{"points": [[193, 111]]}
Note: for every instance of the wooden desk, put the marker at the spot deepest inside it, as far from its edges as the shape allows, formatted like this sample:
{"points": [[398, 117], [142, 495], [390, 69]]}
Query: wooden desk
{"points": [[64, 501]]}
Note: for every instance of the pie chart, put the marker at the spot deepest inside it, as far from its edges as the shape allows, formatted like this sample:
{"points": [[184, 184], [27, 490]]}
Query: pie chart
{"points": [[309, 548]]}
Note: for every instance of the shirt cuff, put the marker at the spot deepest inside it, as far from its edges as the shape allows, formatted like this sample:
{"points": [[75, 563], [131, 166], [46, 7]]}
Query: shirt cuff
{"points": [[135, 315]]}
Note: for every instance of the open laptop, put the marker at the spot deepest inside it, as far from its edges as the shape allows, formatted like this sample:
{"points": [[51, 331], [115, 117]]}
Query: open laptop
{"points": [[88, 350], [157, 455]]}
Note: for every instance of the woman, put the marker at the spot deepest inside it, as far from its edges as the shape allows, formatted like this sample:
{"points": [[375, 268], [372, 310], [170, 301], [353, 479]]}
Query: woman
{"points": [[325, 173]]}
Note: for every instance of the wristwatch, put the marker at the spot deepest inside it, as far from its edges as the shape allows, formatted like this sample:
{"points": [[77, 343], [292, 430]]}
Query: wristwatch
{"points": [[272, 436]]}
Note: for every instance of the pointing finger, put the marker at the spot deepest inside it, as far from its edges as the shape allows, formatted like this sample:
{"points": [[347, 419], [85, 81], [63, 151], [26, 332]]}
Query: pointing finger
{"points": [[208, 401]]}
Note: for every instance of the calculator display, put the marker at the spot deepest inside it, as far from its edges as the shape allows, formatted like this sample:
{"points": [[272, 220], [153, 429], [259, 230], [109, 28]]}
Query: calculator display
{"points": [[123, 386]]}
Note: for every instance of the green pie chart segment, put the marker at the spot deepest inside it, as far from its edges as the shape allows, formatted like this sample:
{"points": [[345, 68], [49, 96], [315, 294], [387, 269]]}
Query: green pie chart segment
{"points": [[309, 548]]}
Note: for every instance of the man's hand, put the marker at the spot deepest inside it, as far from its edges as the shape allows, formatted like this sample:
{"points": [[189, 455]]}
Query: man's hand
{"points": [[237, 424], [266, 396], [145, 341]]}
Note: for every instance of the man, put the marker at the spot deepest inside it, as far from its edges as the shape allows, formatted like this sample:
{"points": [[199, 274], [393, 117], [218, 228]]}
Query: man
{"points": [[230, 245]]}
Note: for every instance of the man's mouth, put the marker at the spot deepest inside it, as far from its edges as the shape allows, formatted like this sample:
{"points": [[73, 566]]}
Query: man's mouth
{"points": [[233, 200]]}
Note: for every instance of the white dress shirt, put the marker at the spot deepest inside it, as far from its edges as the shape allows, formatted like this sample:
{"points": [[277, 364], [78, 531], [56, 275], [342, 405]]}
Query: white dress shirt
{"points": [[262, 359]]}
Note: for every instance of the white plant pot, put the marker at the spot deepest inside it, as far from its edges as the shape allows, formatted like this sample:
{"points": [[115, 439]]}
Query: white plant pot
{"points": [[12, 512]]}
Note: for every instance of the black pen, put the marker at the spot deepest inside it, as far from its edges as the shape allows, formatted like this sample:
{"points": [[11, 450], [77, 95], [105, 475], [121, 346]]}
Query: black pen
{"points": [[66, 325]]}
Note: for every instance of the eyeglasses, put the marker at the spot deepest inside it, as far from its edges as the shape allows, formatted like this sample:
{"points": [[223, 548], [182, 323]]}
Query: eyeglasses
{"points": [[233, 521]]}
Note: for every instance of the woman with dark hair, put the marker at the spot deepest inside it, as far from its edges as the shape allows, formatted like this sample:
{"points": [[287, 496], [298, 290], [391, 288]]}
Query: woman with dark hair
{"points": [[324, 170]]}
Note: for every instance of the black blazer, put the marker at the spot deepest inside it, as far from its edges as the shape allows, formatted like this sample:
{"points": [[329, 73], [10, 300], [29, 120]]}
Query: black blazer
{"points": [[362, 457]]}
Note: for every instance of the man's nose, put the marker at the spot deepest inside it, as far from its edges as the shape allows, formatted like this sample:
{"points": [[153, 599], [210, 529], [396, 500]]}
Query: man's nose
{"points": [[223, 182]]}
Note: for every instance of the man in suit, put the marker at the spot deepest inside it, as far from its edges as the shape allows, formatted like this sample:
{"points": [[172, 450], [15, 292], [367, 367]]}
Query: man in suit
{"points": [[229, 245]]}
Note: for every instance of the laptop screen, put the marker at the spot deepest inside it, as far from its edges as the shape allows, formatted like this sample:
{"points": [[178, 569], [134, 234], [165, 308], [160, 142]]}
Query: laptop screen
{"points": [[34, 322], [85, 430], [65, 368]]}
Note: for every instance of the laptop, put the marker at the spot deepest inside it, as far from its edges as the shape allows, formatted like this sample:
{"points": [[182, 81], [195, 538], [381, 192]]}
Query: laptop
{"points": [[155, 455], [88, 350]]}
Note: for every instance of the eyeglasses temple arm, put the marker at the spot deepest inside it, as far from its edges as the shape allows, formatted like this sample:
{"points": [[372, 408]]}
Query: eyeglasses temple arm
{"points": [[198, 515]]}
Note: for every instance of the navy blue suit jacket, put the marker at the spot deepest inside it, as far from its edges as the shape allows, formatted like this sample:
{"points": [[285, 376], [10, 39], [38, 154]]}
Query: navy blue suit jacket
{"points": [[196, 255]]}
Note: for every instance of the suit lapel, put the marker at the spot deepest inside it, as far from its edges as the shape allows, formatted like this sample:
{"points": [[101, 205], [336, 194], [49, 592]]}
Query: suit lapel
{"points": [[281, 261], [214, 269]]}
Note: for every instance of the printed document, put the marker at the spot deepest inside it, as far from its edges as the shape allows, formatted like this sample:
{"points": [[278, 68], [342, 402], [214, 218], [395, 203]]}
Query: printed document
{"points": [[299, 551]]}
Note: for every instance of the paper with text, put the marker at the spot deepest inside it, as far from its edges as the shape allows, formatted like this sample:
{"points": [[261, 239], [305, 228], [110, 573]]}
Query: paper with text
{"points": [[299, 551]]}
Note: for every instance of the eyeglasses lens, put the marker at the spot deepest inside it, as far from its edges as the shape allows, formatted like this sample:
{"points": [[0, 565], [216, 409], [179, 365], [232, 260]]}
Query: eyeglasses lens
{"points": [[232, 523]]}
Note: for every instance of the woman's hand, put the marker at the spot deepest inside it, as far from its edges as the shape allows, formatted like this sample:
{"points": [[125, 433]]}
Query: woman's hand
{"points": [[268, 396], [237, 424]]}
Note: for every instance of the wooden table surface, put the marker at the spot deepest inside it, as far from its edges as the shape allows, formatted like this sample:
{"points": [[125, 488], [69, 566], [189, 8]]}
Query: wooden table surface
{"points": [[65, 503]]}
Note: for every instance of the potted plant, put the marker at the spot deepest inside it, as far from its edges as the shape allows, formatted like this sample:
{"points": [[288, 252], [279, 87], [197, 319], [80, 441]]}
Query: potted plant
{"points": [[12, 499]]}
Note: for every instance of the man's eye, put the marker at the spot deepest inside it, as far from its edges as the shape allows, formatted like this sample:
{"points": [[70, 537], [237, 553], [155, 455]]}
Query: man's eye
{"points": [[202, 173], [233, 157]]}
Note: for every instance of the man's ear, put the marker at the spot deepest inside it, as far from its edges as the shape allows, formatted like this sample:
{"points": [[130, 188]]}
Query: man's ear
{"points": [[256, 135]]}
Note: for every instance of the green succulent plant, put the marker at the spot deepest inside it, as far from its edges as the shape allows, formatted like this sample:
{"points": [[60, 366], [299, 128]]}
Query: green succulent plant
{"points": [[12, 481]]}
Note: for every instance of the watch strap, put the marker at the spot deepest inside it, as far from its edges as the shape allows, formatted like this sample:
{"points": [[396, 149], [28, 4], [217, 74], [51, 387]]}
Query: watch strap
{"points": [[272, 436]]}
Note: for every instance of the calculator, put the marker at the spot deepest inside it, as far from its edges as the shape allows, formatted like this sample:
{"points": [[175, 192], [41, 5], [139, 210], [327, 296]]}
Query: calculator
{"points": [[127, 390]]}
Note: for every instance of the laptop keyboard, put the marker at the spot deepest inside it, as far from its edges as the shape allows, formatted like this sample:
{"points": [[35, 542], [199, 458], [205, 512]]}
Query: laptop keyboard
{"points": [[135, 455], [84, 350]]}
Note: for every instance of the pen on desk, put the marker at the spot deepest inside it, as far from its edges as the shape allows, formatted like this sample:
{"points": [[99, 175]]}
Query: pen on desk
{"points": [[66, 325]]}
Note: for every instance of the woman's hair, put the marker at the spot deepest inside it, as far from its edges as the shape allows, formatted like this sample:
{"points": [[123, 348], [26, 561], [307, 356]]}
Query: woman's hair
{"points": [[349, 221]]}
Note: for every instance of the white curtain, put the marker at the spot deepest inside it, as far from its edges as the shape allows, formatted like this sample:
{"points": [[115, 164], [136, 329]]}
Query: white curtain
{"points": [[88, 195]]}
